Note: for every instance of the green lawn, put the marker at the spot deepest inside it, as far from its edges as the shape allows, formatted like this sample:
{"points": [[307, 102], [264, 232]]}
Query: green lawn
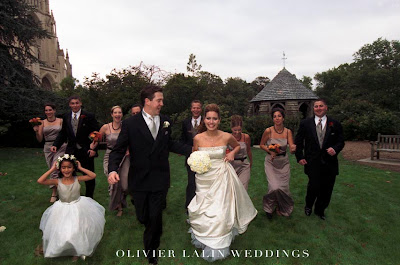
{"points": [[362, 226]]}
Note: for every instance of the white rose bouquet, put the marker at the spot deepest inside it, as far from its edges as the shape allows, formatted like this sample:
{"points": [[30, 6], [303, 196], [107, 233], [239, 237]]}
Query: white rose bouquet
{"points": [[199, 162]]}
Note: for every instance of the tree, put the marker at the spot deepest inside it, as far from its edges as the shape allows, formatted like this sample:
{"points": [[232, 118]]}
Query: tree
{"points": [[68, 83], [20, 97], [360, 92], [120, 87], [259, 83], [236, 96], [381, 54], [192, 67], [179, 91], [19, 31], [307, 81]]}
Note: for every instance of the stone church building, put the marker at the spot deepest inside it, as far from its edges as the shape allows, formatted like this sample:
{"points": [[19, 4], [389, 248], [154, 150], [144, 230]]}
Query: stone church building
{"points": [[286, 92], [54, 65]]}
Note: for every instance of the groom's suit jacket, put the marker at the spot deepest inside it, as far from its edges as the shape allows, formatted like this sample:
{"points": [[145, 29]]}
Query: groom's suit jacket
{"points": [[307, 145], [149, 168], [86, 124]]}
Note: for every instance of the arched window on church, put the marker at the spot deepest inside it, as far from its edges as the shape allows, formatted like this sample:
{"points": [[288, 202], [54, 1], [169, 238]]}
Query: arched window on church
{"points": [[46, 84]]}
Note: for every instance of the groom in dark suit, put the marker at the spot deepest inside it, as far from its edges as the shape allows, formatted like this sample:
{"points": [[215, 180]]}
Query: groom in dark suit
{"points": [[189, 131], [148, 137], [319, 141], [76, 127]]}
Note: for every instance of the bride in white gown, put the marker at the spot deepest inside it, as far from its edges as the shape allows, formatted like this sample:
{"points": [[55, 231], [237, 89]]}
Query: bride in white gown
{"points": [[221, 208]]}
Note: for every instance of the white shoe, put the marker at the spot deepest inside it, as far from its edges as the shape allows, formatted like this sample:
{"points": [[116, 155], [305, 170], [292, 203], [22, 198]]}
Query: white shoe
{"points": [[83, 257]]}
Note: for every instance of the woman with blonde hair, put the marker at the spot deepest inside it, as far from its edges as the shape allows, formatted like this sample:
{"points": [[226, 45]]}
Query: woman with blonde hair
{"points": [[110, 132]]}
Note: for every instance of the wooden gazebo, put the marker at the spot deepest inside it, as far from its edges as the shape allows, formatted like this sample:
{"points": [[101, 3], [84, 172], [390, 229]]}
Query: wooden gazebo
{"points": [[284, 91]]}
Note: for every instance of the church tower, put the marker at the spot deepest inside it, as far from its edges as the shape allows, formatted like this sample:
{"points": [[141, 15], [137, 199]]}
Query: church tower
{"points": [[54, 66]]}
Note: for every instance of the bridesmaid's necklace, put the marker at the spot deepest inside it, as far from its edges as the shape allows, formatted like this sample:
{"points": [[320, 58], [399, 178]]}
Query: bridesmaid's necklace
{"points": [[280, 131], [112, 125], [50, 120], [240, 138]]}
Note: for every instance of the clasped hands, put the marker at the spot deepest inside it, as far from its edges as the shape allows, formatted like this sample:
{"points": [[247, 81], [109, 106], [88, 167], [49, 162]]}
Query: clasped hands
{"points": [[113, 178]]}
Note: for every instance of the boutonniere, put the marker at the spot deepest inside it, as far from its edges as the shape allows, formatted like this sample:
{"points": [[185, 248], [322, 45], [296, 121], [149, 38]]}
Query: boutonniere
{"points": [[330, 124], [166, 124], [82, 116]]}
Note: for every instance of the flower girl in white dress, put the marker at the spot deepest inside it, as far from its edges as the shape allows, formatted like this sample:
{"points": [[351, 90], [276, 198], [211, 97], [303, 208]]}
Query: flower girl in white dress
{"points": [[73, 225]]}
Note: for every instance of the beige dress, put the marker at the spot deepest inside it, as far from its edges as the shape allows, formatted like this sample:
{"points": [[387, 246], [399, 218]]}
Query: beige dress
{"points": [[242, 165], [278, 176], [50, 134], [221, 208], [118, 190]]}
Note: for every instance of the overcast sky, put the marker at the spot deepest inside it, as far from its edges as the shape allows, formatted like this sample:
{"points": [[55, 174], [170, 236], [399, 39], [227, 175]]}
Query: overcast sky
{"points": [[230, 38]]}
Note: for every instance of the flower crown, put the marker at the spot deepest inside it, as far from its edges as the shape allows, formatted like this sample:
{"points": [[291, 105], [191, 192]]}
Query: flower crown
{"points": [[68, 157]]}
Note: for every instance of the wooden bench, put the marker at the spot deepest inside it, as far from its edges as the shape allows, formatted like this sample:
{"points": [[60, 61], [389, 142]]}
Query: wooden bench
{"points": [[385, 143]]}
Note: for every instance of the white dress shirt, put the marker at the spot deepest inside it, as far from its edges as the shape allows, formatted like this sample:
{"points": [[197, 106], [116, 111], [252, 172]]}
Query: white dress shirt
{"points": [[78, 114], [147, 118], [198, 121], [324, 119]]}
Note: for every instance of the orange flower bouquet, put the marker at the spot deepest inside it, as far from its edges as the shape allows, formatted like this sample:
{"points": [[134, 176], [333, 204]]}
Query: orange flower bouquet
{"points": [[274, 148], [95, 136], [35, 121]]}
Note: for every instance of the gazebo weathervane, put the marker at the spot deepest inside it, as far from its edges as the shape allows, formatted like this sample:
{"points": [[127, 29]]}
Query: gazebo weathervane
{"points": [[284, 58]]}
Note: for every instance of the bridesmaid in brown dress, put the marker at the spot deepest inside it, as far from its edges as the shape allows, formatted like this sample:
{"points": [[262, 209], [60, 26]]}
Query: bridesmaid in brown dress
{"points": [[277, 167], [244, 158], [49, 130], [118, 191]]}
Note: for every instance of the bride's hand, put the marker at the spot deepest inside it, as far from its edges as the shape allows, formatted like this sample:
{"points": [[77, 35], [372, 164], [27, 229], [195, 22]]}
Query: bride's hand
{"points": [[229, 157]]}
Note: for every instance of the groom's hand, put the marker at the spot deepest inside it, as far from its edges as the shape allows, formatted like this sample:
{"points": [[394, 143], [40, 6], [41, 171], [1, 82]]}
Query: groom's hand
{"points": [[331, 151], [302, 162], [113, 178]]}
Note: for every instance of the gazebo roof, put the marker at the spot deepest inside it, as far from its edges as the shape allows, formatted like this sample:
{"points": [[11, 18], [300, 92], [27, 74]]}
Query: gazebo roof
{"points": [[284, 86]]}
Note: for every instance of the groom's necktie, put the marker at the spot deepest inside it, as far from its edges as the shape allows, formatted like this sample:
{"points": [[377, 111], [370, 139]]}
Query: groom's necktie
{"points": [[153, 127], [320, 133], [74, 123], [195, 124]]}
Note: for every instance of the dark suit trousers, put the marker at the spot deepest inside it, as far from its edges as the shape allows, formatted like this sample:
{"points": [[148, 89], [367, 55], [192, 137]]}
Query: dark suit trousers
{"points": [[88, 163], [191, 186], [149, 206], [319, 189]]}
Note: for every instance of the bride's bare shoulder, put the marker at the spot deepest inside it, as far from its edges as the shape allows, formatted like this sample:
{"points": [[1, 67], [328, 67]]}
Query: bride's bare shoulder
{"points": [[199, 136], [226, 135]]}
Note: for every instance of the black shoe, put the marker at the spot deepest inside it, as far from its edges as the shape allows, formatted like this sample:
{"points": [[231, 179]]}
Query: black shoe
{"points": [[322, 216], [153, 260], [307, 211], [269, 215]]}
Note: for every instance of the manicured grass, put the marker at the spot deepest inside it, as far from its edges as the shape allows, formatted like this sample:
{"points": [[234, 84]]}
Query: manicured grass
{"points": [[362, 226]]}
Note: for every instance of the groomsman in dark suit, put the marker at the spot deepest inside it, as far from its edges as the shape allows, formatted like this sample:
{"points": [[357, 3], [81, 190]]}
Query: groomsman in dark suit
{"points": [[319, 141], [148, 137], [77, 125], [136, 109], [189, 131]]}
